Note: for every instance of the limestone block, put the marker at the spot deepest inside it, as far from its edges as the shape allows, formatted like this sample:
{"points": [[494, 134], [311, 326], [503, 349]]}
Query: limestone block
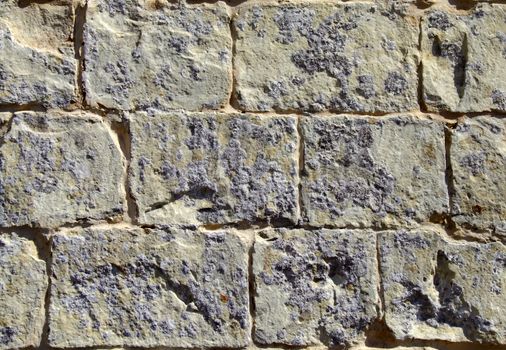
{"points": [[37, 64], [58, 168], [478, 159], [23, 286], [435, 288], [192, 168], [314, 287], [367, 171], [325, 56], [464, 59], [144, 54], [121, 286]]}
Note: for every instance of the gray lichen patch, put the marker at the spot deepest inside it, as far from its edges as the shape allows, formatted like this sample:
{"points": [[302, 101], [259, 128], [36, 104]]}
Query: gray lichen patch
{"points": [[464, 59], [23, 286], [478, 160], [58, 168], [37, 64], [366, 171], [435, 288], [147, 54], [191, 168], [314, 287], [325, 56], [121, 286]]}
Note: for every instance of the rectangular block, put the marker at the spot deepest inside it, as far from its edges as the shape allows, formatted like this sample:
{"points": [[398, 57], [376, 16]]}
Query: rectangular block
{"points": [[153, 54], [314, 287], [122, 286], [314, 56], [37, 66], [439, 289], [478, 159], [367, 171], [58, 168], [23, 284], [464, 59], [207, 168]]}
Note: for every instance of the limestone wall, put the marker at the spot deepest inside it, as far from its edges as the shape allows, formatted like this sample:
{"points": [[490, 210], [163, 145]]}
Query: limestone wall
{"points": [[252, 174]]}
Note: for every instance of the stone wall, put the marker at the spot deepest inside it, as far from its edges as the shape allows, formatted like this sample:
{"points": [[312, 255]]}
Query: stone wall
{"points": [[252, 174]]}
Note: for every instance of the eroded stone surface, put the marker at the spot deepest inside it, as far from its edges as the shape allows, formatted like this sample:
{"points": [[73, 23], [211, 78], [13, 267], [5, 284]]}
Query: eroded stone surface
{"points": [[58, 168], [440, 289], [23, 286], [478, 159], [127, 287], [147, 54], [314, 287], [190, 168], [366, 171], [464, 59], [37, 63], [323, 56]]}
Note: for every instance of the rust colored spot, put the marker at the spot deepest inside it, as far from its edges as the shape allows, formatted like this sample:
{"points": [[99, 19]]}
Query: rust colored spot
{"points": [[223, 298]]}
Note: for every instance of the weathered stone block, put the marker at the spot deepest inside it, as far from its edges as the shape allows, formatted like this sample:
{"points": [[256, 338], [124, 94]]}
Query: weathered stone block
{"points": [[366, 171], [144, 54], [58, 168], [325, 56], [314, 287], [191, 168], [37, 63], [435, 288], [23, 286], [478, 159], [464, 59], [120, 286]]}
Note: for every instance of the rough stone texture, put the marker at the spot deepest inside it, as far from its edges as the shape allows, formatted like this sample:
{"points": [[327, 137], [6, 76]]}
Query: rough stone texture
{"points": [[58, 168], [23, 286], [440, 289], [324, 56], [149, 54], [127, 287], [37, 64], [478, 160], [191, 168], [366, 171], [464, 59], [314, 287]]}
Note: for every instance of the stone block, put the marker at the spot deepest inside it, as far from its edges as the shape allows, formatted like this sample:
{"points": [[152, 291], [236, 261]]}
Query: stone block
{"points": [[151, 54], [58, 168], [208, 168], [122, 286], [314, 56], [314, 287]]}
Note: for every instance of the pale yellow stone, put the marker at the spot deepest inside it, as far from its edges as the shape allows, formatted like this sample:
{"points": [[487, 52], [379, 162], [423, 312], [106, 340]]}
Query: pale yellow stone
{"points": [[438, 289], [325, 56], [122, 286], [464, 59], [23, 284], [152, 54], [37, 59]]}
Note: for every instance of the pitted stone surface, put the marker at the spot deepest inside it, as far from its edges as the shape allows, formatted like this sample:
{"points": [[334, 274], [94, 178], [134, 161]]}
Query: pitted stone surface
{"points": [[23, 286], [127, 287], [149, 54], [367, 171], [464, 59], [325, 56], [58, 168], [191, 168], [37, 63], [314, 287], [478, 159], [440, 289]]}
